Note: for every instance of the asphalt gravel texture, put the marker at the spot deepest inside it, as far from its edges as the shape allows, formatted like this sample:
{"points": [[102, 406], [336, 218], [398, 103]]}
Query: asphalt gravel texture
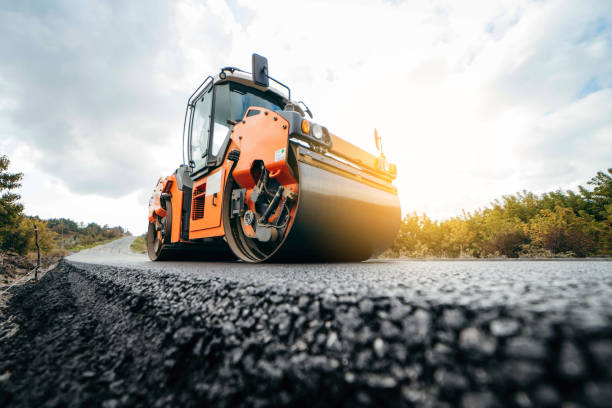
{"points": [[108, 328]]}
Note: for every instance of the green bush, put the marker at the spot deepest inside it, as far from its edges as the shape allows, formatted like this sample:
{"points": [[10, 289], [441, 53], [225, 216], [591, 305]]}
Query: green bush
{"points": [[525, 224]]}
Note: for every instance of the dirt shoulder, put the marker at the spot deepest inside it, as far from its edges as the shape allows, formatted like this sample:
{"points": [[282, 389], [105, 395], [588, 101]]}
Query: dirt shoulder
{"points": [[17, 270]]}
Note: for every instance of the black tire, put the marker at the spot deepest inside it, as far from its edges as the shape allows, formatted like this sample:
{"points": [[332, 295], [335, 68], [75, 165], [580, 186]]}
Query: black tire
{"points": [[156, 247]]}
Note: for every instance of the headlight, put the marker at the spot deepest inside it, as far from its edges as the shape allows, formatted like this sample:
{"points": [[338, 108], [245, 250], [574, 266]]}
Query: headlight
{"points": [[317, 131], [305, 130]]}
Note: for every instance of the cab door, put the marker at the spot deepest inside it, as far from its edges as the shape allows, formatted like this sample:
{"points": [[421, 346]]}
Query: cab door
{"points": [[206, 204], [209, 134]]}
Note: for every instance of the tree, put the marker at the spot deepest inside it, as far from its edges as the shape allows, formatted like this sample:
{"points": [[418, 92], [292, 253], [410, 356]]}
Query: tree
{"points": [[561, 231], [46, 237], [601, 196], [605, 240], [406, 241], [10, 209]]}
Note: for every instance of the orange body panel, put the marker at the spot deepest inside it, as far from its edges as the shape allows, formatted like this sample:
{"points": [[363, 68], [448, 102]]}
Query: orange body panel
{"points": [[167, 185], [265, 137], [208, 189], [177, 204], [207, 233], [163, 186]]}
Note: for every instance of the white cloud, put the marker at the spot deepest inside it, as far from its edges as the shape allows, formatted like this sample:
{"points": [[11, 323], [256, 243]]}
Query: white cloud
{"points": [[473, 99]]}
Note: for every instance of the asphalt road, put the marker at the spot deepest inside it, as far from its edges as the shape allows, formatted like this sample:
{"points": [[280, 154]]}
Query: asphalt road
{"points": [[109, 328], [583, 287]]}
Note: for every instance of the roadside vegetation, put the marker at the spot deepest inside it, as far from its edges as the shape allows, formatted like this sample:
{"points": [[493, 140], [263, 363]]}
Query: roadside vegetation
{"points": [[556, 224], [56, 236], [138, 245]]}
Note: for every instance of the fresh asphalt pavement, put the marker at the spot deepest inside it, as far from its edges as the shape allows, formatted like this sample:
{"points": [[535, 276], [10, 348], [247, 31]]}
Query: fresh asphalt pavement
{"points": [[538, 285], [110, 328]]}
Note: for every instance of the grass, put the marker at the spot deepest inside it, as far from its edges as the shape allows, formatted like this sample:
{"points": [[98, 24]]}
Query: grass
{"points": [[138, 245]]}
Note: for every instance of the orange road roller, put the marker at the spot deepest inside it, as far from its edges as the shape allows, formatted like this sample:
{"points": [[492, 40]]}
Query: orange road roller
{"points": [[263, 182]]}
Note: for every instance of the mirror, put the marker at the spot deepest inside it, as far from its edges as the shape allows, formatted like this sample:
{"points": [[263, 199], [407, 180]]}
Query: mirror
{"points": [[260, 70]]}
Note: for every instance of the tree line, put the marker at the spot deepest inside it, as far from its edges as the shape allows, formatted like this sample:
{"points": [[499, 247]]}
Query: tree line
{"points": [[54, 235], [554, 224]]}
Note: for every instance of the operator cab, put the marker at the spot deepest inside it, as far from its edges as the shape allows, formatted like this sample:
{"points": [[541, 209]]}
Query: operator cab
{"points": [[221, 103]]}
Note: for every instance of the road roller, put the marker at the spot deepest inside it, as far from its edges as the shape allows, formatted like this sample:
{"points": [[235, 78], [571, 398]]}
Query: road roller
{"points": [[261, 181]]}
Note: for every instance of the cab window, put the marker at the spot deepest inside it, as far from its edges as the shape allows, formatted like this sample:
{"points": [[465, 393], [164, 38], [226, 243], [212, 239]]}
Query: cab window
{"points": [[222, 128], [231, 103], [210, 131], [200, 130], [242, 98]]}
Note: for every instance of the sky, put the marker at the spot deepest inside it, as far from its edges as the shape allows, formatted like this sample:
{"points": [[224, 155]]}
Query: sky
{"points": [[472, 99]]}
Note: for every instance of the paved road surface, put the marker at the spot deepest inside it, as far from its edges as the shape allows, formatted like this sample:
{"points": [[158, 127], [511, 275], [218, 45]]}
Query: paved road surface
{"points": [[109, 328], [544, 285]]}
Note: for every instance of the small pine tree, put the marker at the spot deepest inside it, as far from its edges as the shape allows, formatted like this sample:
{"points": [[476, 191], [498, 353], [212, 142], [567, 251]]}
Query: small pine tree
{"points": [[10, 208]]}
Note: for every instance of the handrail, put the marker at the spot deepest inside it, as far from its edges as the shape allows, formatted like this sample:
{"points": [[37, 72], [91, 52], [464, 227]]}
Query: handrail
{"points": [[232, 69]]}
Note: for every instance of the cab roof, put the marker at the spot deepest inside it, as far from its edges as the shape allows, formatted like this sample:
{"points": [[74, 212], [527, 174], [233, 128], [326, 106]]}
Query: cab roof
{"points": [[245, 78]]}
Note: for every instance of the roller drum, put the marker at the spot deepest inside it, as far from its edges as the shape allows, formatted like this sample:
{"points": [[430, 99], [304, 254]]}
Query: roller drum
{"points": [[338, 219]]}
